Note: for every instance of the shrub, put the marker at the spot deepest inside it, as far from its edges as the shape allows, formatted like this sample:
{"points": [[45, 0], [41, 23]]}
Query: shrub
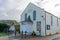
{"points": [[3, 27]]}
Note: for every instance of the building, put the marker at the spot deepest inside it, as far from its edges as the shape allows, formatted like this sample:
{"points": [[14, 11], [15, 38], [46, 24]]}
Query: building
{"points": [[38, 20], [9, 22]]}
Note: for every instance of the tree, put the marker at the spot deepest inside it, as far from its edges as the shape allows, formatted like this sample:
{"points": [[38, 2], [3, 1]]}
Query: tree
{"points": [[3, 27]]}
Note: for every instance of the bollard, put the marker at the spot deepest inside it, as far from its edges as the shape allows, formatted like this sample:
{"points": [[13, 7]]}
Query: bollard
{"points": [[40, 33], [33, 33], [25, 33], [22, 34]]}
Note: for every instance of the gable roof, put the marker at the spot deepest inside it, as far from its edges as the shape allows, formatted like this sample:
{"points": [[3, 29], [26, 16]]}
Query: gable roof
{"points": [[40, 8]]}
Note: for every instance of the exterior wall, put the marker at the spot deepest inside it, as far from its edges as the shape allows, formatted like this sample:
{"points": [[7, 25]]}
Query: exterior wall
{"points": [[59, 25], [39, 13], [53, 27], [40, 16], [48, 22]]}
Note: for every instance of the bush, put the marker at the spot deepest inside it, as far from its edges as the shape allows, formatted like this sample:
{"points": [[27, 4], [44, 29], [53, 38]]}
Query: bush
{"points": [[3, 27]]}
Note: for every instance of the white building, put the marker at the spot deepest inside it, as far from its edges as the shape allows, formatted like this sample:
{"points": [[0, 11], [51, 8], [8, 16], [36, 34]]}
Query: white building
{"points": [[38, 20]]}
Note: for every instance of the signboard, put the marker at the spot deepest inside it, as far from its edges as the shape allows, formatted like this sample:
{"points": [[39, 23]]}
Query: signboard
{"points": [[48, 27], [38, 25]]}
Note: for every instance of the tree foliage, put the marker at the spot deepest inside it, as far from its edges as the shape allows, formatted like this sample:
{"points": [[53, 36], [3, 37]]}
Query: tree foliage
{"points": [[3, 27]]}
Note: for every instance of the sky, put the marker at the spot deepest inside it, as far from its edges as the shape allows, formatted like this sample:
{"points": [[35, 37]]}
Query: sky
{"points": [[12, 9]]}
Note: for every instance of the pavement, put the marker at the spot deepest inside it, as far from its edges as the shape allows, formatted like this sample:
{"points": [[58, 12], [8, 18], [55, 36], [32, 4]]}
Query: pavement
{"points": [[58, 38], [53, 37], [4, 38]]}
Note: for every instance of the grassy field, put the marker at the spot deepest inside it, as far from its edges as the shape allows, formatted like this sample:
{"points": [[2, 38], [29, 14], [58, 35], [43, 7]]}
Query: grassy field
{"points": [[3, 34]]}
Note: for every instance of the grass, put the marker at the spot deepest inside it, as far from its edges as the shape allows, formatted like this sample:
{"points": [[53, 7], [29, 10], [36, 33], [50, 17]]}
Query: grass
{"points": [[3, 34]]}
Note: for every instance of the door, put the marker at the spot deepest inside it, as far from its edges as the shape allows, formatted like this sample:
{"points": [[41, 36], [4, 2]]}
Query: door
{"points": [[39, 27]]}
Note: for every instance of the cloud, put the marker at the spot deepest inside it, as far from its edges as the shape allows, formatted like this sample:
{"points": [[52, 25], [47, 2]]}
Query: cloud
{"points": [[52, 6], [12, 9], [15, 8]]}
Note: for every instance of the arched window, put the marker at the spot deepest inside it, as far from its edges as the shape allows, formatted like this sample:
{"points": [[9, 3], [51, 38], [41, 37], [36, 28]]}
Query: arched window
{"points": [[34, 15], [26, 16]]}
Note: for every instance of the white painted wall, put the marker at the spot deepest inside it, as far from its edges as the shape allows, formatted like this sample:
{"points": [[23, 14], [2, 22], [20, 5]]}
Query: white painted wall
{"points": [[48, 22], [39, 13], [54, 28], [59, 25]]}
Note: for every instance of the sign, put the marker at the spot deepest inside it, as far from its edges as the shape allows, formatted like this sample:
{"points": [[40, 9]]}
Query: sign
{"points": [[38, 25], [48, 27]]}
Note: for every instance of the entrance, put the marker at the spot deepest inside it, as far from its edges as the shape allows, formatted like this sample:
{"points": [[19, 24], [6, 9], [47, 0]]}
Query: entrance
{"points": [[26, 28], [39, 27]]}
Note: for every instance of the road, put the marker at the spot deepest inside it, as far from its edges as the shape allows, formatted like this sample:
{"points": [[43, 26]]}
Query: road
{"points": [[57, 38], [11, 37], [4, 38]]}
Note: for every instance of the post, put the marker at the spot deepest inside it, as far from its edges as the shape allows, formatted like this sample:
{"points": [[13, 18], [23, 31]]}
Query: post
{"points": [[22, 34], [40, 32], [25, 33], [33, 33]]}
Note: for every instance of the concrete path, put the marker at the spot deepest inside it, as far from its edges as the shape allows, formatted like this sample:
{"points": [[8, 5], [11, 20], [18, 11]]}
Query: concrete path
{"points": [[57, 38], [37, 38], [4, 38], [53, 37]]}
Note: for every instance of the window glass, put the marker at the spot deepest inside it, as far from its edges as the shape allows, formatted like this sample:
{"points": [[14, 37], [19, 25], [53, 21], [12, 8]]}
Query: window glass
{"points": [[57, 21], [34, 15], [51, 20], [26, 16]]}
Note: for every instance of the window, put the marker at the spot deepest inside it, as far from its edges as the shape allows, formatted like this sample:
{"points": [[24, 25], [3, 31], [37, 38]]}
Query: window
{"points": [[34, 15], [51, 20], [26, 16], [38, 23], [57, 21]]}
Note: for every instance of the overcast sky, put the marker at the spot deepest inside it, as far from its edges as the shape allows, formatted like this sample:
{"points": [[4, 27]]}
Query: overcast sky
{"points": [[12, 9]]}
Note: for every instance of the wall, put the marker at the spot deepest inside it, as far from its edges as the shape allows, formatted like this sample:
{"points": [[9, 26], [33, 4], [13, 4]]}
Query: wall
{"points": [[39, 13], [48, 22], [59, 25], [40, 16], [54, 28]]}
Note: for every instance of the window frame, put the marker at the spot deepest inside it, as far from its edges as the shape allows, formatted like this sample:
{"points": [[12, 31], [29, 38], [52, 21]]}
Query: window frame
{"points": [[34, 15], [25, 16], [51, 20]]}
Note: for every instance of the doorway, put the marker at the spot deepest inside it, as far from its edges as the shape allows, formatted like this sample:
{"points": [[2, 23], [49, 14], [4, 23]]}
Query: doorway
{"points": [[39, 27]]}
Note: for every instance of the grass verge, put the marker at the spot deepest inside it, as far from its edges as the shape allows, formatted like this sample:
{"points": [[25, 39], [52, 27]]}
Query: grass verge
{"points": [[3, 34]]}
